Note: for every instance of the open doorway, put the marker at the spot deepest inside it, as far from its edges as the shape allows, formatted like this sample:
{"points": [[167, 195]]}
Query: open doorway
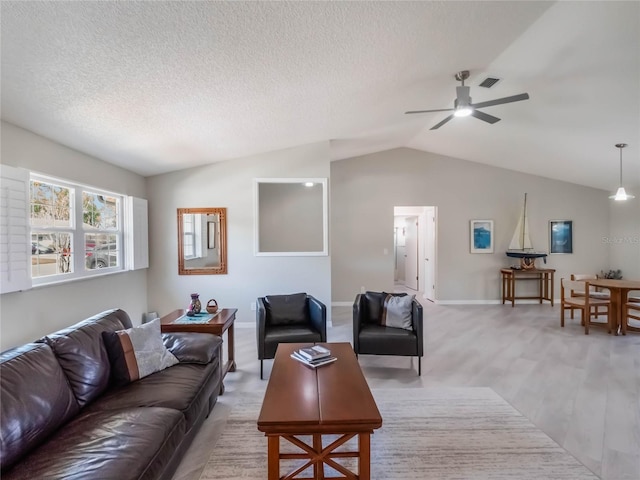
{"points": [[415, 249]]}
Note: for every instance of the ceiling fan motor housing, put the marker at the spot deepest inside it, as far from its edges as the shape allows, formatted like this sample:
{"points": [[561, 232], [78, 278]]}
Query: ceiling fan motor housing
{"points": [[463, 98]]}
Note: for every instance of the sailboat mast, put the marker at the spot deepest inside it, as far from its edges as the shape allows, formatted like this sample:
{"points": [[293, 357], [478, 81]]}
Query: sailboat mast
{"points": [[524, 220]]}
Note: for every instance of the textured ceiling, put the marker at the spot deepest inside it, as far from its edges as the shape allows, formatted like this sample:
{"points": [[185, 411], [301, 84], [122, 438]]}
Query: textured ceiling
{"points": [[160, 86]]}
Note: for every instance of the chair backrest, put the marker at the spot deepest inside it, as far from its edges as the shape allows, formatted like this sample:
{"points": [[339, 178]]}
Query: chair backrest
{"points": [[584, 277], [287, 309], [569, 288]]}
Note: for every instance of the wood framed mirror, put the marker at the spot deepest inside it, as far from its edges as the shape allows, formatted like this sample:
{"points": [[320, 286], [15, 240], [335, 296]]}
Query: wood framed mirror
{"points": [[202, 241]]}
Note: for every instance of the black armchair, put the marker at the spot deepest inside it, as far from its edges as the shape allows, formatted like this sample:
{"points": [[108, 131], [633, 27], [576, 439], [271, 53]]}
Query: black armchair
{"points": [[371, 336], [296, 318]]}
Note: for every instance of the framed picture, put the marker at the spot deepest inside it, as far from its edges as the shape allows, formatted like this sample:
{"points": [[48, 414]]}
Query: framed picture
{"points": [[211, 235], [481, 236], [560, 236]]}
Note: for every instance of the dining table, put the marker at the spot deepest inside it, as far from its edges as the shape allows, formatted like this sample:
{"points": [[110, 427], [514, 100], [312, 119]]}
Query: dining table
{"points": [[619, 293]]}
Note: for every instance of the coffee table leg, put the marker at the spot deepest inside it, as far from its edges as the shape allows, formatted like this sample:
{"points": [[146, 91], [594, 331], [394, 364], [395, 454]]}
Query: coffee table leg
{"points": [[273, 457], [318, 467], [364, 460]]}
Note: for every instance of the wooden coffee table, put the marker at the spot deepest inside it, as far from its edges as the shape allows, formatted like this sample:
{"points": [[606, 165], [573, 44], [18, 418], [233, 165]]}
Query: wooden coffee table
{"points": [[222, 322], [331, 400]]}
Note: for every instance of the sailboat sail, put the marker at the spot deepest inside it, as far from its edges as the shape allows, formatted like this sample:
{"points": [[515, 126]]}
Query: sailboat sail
{"points": [[521, 246], [521, 239]]}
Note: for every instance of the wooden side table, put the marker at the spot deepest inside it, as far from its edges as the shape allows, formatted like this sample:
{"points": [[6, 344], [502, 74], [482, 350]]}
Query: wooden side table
{"points": [[544, 277], [218, 325]]}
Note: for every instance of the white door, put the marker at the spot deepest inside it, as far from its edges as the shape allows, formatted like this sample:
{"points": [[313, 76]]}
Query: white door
{"points": [[411, 253], [430, 255], [399, 253]]}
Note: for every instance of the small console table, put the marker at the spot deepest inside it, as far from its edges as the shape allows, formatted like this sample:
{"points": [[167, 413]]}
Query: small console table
{"points": [[544, 277], [222, 322]]}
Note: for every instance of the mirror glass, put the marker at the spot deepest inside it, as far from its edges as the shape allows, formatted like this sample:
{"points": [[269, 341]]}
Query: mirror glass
{"points": [[291, 216], [202, 241]]}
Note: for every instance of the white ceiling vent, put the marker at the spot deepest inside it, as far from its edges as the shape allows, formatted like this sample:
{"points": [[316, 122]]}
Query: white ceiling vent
{"points": [[489, 82]]}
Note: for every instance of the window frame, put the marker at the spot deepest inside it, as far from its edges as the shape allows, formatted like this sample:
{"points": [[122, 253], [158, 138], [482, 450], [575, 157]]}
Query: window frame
{"points": [[78, 231]]}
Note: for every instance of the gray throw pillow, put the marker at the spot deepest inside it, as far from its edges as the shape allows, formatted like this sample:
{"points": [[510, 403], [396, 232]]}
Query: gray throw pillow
{"points": [[396, 312]]}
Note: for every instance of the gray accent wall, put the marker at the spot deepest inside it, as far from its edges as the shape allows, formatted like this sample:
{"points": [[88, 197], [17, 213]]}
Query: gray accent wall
{"points": [[26, 316], [362, 191], [231, 185], [365, 189]]}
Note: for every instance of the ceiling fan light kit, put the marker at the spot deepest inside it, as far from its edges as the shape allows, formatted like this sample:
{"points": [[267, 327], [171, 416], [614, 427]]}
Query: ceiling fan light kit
{"points": [[621, 195], [464, 107]]}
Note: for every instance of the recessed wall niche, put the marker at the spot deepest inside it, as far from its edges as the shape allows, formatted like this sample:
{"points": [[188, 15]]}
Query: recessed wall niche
{"points": [[291, 217]]}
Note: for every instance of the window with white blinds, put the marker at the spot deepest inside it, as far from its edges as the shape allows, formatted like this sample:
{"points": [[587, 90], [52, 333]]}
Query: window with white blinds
{"points": [[54, 231]]}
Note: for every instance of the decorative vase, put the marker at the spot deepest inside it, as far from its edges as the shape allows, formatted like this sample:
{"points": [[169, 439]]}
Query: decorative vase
{"points": [[195, 306]]}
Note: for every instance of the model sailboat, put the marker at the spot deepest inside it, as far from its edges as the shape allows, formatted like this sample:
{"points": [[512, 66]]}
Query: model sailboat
{"points": [[521, 246]]}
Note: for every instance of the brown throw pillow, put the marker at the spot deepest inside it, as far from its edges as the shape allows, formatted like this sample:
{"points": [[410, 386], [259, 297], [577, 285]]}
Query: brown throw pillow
{"points": [[137, 352]]}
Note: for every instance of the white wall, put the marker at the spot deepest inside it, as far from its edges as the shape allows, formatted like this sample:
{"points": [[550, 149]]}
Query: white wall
{"points": [[365, 189], [624, 237], [26, 316], [230, 184]]}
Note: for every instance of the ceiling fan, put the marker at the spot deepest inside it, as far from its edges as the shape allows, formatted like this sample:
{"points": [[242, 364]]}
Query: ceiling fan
{"points": [[462, 106]]}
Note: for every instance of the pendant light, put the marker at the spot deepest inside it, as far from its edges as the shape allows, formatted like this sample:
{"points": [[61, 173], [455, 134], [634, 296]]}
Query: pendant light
{"points": [[620, 194]]}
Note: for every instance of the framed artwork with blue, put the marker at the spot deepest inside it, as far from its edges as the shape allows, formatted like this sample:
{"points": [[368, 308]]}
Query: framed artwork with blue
{"points": [[560, 236], [481, 236]]}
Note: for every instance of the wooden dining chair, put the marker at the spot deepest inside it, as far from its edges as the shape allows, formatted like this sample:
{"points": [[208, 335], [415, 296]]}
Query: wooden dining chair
{"points": [[586, 303], [630, 310], [593, 291]]}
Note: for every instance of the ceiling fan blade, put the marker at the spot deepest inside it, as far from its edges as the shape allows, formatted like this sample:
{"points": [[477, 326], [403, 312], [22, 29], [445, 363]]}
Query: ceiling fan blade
{"points": [[438, 125], [484, 117], [429, 111], [500, 101]]}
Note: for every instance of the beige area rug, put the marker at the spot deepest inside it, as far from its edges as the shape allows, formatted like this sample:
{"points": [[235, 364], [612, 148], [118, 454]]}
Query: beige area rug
{"points": [[439, 434]]}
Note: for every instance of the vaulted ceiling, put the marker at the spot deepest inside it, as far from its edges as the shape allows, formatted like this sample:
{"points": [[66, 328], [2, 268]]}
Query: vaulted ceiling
{"points": [[161, 86]]}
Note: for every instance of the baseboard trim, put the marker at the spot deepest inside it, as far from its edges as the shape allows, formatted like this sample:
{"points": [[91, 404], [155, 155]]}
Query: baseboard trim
{"points": [[253, 325], [466, 302], [486, 302], [457, 302], [341, 304]]}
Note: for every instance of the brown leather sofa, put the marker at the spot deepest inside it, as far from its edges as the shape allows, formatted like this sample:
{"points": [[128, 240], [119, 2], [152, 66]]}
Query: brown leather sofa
{"points": [[61, 418]]}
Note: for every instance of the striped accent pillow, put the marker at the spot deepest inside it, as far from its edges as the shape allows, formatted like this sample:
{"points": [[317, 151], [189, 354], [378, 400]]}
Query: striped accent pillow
{"points": [[137, 352], [396, 312]]}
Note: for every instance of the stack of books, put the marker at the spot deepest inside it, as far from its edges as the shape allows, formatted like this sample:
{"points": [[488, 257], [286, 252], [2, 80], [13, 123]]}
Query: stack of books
{"points": [[313, 357]]}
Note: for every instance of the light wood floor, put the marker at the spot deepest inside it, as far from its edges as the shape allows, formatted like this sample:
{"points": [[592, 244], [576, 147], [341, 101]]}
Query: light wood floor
{"points": [[582, 391]]}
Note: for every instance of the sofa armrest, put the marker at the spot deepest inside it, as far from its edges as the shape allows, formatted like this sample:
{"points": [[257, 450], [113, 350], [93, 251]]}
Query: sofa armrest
{"points": [[418, 324], [190, 347], [357, 321], [261, 322], [318, 317]]}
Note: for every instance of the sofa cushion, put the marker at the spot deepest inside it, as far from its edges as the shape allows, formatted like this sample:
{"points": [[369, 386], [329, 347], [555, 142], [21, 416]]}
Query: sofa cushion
{"points": [[374, 339], [295, 334], [185, 387], [131, 443], [191, 347], [82, 354], [137, 352], [287, 309], [397, 311], [36, 400]]}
